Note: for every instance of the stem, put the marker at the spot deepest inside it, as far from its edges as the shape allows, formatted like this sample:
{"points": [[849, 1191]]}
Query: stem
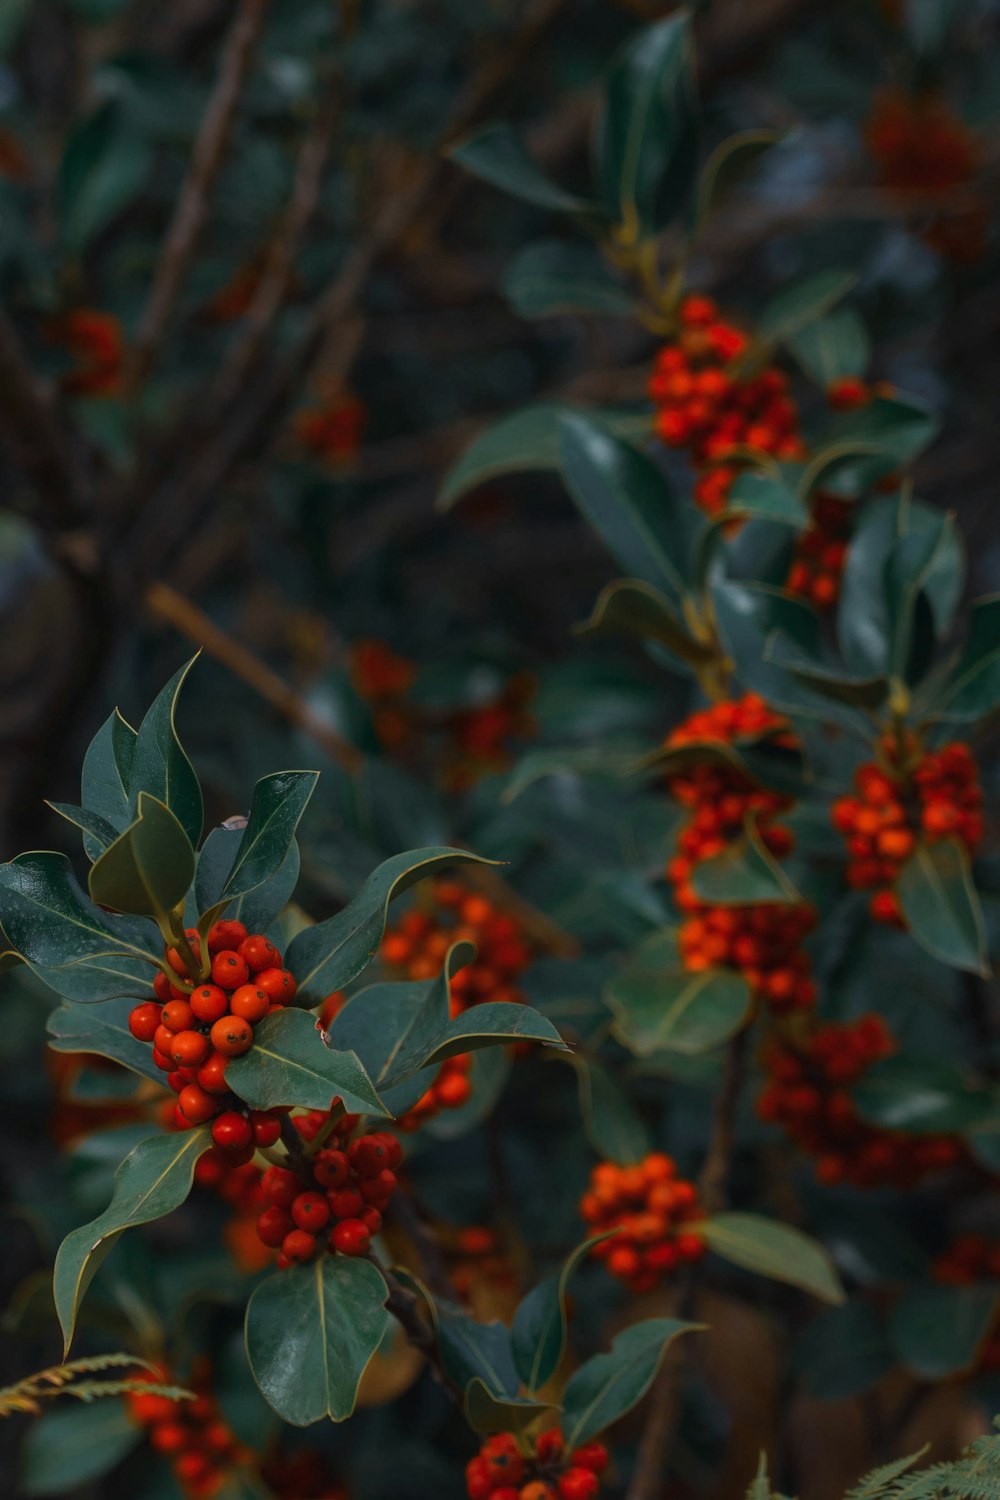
{"points": [[197, 967], [712, 1183], [319, 1140], [292, 1142]]}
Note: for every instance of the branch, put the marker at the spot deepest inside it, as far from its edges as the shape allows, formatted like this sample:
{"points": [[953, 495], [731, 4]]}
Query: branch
{"points": [[715, 1170], [192, 205], [32, 431]]}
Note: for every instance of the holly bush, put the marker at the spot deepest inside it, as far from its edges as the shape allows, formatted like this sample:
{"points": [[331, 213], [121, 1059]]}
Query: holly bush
{"points": [[582, 1075]]}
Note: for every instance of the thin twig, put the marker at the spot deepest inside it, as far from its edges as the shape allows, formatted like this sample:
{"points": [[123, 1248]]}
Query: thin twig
{"points": [[713, 1181], [192, 205]]}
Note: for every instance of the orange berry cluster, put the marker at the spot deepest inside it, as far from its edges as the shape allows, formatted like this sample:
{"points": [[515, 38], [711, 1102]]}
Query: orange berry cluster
{"points": [[95, 340], [705, 405], [451, 1088], [192, 1435], [649, 1206], [377, 672], [481, 736], [821, 552], [343, 1198], [807, 1094], [763, 940], [476, 1257], [198, 1024], [333, 425], [418, 943], [968, 1259], [930, 797], [501, 1471]]}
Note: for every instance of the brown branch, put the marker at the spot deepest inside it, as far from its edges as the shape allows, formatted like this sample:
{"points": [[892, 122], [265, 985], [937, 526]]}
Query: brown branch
{"points": [[192, 205], [713, 1180], [33, 433], [167, 605]]}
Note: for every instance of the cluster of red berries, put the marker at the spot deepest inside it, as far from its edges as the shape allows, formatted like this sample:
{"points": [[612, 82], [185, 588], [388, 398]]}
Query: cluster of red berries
{"points": [[972, 1258], [476, 1257], [920, 145], [808, 1095], [501, 1471], [197, 1024], [763, 940], [704, 404], [192, 1435], [915, 796], [451, 1088], [97, 344], [343, 1198], [821, 552], [295, 1476], [418, 943], [333, 425], [653, 1211]]}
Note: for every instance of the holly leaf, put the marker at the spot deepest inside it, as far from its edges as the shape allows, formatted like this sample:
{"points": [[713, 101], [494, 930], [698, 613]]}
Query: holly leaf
{"points": [[149, 868], [802, 303], [675, 1010], [607, 1386], [279, 802], [288, 1064], [628, 606], [974, 689], [613, 1128], [497, 154], [941, 906], [485, 1412], [160, 765], [540, 1324], [102, 1030], [107, 768], [939, 1331], [772, 1249], [561, 276], [744, 874]]}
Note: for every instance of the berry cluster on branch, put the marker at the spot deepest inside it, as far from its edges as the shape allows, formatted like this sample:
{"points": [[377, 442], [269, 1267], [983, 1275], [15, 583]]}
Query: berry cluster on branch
{"points": [[503, 1471], [652, 1212]]}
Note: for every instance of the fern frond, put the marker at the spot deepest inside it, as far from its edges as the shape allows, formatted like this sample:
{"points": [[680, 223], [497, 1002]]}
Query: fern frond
{"points": [[61, 1380], [878, 1483], [760, 1485]]}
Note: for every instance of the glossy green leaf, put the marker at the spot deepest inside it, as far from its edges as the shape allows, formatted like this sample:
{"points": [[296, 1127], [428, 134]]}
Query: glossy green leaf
{"points": [[613, 1128], [279, 801], [289, 1064], [766, 496], [562, 276], [923, 558], [471, 1350], [258, 907], [941, 906], [833, 348], [329, 955], [160, 765], [149, 868], [974, 688], [608, 1385], [153, 1180], [773, 1249], [102, 1030], [744, 874], [872, 441], [105, 165], [67, 1447], [628, 606], [939, 1331], [919, 1094], [107, 767], [828, 681], [624, 497], [647, 148], [540, 1324], [801, 303], [485, 1412], [311, 1332], [733, 159], [497, 154], [98, 834], [674, 1010]]}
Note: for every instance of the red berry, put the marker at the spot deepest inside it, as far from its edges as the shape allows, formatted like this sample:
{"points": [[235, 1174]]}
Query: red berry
{"points": [[259, 953], [347, 1203], [578, 1484], [232, 1132], [350, 1237], [177, 1016], [189, 1049], [229, 970], [278, 985], [368, 1155], [196, 1105], [212, 1074], [266, 1127], [299, 1245], [331, 1169], [232, 1036], [273, 1225], [279, 1186], [209, 1003], [311, 1211], [591, 1456], [249, 1002], [144, 1021], [225, 936]]}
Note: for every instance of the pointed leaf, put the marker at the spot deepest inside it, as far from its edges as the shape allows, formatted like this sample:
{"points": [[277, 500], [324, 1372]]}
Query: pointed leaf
{"points": [[98, 834], [833, 348], [745, 874], [289, 1064], [485, 1412], [731, 160], [329, 955], [613, 1128], [920, 1094], [974, 689], [560, 276], [149, 868], [67, 1447], [766, 496], [540, 1323], [772, 1249], [674, 1010], [627, 606], [311, 1332], [609, 1385], [941, 906], [259, 907], [939, 1331], [497, 154], [102, 1030], [278, 803], [471, 1350], [802, 303], [159, 764], [107, 767], [153, 1180]]}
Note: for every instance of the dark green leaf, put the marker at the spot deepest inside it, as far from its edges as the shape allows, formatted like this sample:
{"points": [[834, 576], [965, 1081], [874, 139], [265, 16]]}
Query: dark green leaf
{"points": [[311, 1332], [107, 767], [802, 303], [559, 276], [745, 874], [843, 1352], [609, 1385], [675, 1010], [102, 1030], [66, 1448], [833, 348], [647, 150], [939, 1331], [941, 907], [974, 689], [153, 1180], [278, 803], [160, 765], [773, 1249], [329, 955], [471, 1350], [105, 165], [627, 606], [149, 868], [540, 1323], [766, 496], [289, 1064], [731, 160], [602, 762], [919, 1094], [98, 834], [497, 154], [259, 907], [829, 682], [613, 1128], [485, 1412]]}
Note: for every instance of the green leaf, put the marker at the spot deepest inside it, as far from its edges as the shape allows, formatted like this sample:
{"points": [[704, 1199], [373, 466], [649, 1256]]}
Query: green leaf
{"points": [[560, 276], [149, 868], [66, 1448], [744, 874], [98, 834], [540, 1324], [941, 906], [828, 681], [471, 1351], [647, 148], [801, 304], [289, 1064], [627, 606], [588, 761], [919, 1094], [160, 765], [925, 557], [624, 497], [613, 1128], [485, 1412], [311, 1332], [731, 160], [939, 1331], [974, 689], [104, 167], [774, 1250], [279, 802], [767, 497], [674, 1010], [153, 1180], [259, 907], [497, 154], [526, 440], [107, 767], [833, 348], [329, 955], [102, 1030], [609, 1385]]}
